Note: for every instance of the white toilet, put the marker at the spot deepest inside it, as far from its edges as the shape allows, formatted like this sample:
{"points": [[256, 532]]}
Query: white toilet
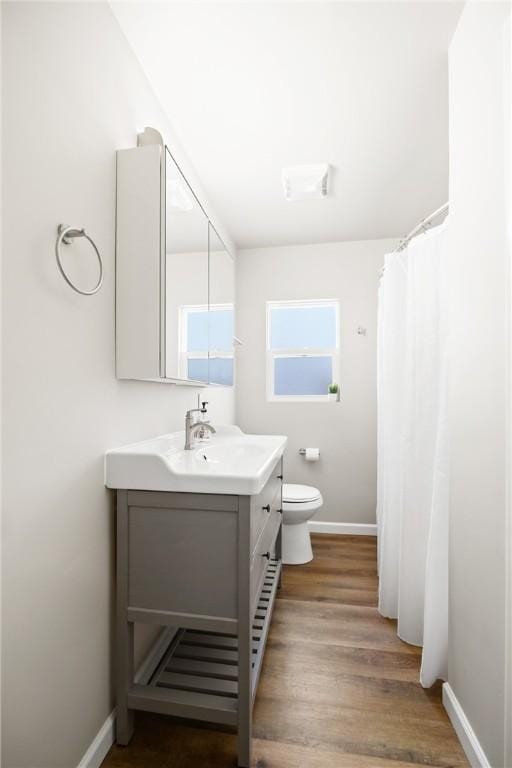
{"points": [[300, 502]]}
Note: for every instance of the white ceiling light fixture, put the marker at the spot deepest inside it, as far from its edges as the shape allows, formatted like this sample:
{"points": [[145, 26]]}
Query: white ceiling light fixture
{"points": [[305, 182]]}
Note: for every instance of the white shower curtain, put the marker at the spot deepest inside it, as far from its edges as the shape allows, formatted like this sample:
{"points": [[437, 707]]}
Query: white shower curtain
{"points": [[412, 484]]}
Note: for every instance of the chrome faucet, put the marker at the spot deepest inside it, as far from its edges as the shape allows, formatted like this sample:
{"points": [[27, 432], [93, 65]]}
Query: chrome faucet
{"points": [[191, 426]]}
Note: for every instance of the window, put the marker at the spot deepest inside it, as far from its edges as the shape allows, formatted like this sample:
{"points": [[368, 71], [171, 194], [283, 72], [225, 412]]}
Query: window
{"points": [[206, 343], [302, 349]]}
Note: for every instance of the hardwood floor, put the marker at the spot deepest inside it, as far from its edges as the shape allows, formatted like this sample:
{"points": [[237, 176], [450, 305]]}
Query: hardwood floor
{"points": [[338, 688]]}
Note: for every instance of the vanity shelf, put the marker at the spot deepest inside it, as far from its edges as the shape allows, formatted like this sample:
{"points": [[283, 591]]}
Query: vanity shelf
{"points": [[197, 676], [210, 565]]}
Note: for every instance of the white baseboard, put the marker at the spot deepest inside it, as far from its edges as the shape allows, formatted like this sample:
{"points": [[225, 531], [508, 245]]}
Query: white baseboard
{"points": [[104, 739], [100, 745], [344, 529], [463, 729]]}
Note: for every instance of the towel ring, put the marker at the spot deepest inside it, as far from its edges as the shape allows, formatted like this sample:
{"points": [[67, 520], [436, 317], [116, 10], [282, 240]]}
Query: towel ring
{"points": [[66, 235]]}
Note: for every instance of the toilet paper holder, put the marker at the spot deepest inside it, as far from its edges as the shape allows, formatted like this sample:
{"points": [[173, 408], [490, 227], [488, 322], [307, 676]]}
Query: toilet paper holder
{"points": [[302, 451]]}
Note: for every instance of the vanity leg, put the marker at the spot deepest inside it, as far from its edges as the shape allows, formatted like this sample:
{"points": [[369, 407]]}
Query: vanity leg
{"points": [[244, 636], [124, 719], [124, 628]]}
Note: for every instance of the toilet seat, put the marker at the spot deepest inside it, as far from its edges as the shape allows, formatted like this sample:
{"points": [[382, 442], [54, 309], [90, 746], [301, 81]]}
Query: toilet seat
{"points": [[300, 494]]}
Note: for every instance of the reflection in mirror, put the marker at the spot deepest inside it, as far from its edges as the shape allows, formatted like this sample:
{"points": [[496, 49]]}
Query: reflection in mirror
{"points": [[221, 316], [186, 301]]}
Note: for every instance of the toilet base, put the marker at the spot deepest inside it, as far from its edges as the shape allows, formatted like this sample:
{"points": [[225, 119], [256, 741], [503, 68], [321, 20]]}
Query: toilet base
{"points": [[296, 544]]}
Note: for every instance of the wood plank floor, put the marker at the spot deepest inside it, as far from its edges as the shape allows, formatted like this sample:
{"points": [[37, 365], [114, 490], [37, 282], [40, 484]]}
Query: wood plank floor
{"points": [[338, 688]]}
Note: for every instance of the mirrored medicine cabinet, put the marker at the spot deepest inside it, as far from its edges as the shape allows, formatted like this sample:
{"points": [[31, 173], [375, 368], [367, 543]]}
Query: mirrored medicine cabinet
{"points": [[175, 278]]}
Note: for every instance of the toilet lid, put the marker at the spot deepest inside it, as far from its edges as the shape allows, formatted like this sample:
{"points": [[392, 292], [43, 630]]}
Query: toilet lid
{"points": [[300, 493]]}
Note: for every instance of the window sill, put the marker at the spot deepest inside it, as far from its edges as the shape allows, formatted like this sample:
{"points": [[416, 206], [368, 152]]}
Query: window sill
{"points": [[302, 399]]}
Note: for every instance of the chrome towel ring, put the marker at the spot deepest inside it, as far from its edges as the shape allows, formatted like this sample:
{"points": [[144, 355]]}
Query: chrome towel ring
{"points": [[66, 235]]}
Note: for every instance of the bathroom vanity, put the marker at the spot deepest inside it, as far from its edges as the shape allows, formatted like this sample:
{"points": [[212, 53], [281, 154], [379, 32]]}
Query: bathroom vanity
{"points": [[198, 549], [198, 531]]}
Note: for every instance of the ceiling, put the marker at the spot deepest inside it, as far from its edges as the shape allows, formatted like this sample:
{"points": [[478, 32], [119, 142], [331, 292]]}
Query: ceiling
{"points": [[251, 87]]}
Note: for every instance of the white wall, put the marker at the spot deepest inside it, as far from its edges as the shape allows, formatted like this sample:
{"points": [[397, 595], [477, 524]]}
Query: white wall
{"points": [[344, 432], [73, 93], [478, 398]]}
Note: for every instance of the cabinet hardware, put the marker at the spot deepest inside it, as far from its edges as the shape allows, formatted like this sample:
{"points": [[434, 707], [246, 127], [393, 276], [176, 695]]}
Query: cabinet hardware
{"points": [[266, 507], [279, 477], [267, 555]]}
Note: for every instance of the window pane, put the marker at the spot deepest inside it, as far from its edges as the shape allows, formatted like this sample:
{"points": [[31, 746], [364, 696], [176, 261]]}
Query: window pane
{"points": [[302, 375], [303, 327], [221, 370], [197, 332], [198, 369], [221, 330], [216, 326], [217, 370]]}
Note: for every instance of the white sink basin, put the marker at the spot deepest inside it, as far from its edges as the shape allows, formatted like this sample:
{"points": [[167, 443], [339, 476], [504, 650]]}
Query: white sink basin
{"points": [[229, 462]]}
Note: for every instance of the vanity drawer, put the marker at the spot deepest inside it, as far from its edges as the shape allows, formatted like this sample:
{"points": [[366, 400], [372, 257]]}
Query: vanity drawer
{"points": [[266, 545], [267, 500]]}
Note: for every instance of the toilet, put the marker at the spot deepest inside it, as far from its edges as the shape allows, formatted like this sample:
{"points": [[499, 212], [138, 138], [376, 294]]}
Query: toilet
{"points": [[300, 503]]}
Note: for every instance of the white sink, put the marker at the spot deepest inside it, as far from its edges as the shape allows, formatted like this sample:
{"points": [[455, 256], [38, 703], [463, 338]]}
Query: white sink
{"points": [[229, 462]]}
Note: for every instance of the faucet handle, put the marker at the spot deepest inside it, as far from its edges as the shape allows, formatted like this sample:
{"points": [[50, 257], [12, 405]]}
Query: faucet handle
{"points": [[204, 408]]}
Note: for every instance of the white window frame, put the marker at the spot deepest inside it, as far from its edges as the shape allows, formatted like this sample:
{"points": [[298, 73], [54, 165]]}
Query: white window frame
{"points": [[183, 355], [272, 354]]}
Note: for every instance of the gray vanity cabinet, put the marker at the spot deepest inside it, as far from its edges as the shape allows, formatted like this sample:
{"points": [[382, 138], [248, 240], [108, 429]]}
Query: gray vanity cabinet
{"points": [[208, 565]]}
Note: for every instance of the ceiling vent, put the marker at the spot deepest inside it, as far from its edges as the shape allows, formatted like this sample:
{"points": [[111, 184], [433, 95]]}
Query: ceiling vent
{"points": [[305, 182]]}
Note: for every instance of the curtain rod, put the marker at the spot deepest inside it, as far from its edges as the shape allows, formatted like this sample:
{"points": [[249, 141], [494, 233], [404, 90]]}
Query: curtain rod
{"points": [[421, 227]]}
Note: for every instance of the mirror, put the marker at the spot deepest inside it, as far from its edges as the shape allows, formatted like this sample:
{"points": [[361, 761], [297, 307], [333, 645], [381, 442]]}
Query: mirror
{"points": [[175, 278], [221, 316], [186, 279]]}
